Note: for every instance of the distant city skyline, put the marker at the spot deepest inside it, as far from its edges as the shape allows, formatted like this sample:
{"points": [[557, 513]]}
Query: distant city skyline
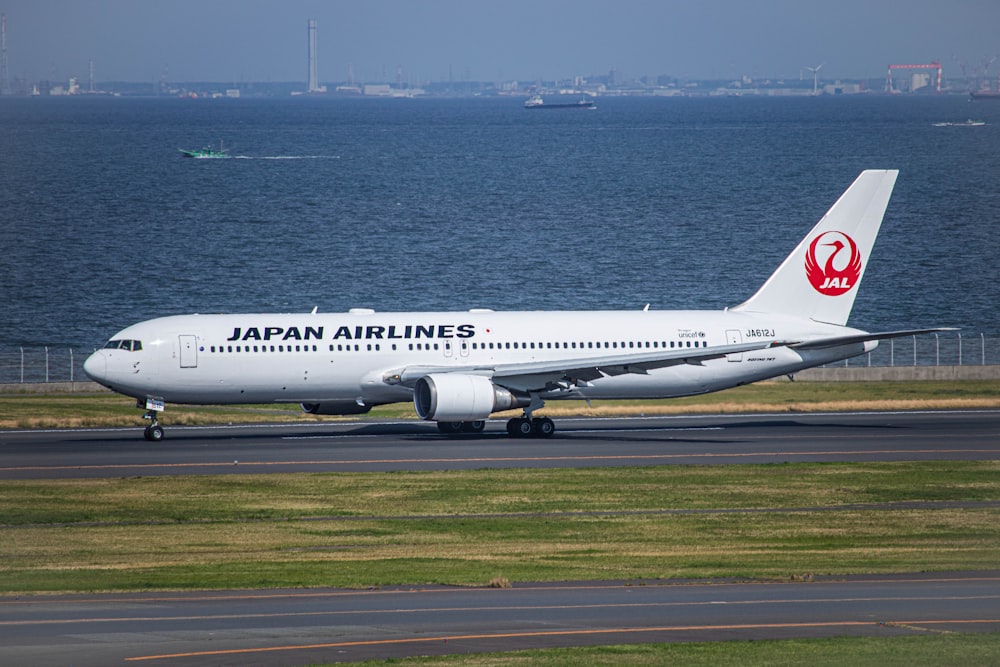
{"points": [[441, 40]]}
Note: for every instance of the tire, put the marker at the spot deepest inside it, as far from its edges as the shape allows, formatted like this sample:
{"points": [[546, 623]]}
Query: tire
{"points": [[153, 433], [519, 427], [474, 426], [543, 427], [449, 428]]}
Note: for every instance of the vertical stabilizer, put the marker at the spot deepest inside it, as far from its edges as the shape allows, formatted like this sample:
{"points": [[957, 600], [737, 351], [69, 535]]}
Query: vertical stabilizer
{"points": [[820, 279]]}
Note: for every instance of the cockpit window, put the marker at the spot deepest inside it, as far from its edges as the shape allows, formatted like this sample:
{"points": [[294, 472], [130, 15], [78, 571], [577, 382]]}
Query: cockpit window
{"points": [[133, 345]]}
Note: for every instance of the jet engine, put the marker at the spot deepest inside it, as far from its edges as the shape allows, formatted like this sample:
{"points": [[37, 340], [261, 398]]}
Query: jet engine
{"points": [[457, 397], [335, 408]]}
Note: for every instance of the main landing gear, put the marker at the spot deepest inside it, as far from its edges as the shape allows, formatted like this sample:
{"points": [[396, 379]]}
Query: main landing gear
{"points": [[527, 427], [455, 428], [524, 426], [518, 427], [153, 406]]}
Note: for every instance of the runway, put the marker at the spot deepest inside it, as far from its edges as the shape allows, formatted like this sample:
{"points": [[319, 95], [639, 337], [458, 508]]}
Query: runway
{"points": [[294, 627], [385, 446], [297, 627]]}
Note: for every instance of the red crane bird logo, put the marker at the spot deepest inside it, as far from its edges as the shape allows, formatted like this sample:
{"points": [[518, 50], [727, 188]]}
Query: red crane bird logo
{"points": [[836, 275]]}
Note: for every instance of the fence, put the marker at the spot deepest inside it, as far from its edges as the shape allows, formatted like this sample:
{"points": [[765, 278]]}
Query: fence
{"points": [[49, 364], [930, 350]]}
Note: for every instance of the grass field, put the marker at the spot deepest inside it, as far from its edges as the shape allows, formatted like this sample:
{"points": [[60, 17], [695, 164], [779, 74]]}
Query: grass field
{"points": [[473, 527], [939, 649]]}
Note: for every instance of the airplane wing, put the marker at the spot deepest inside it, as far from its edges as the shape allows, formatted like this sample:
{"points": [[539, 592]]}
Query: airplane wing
{"points": [[539, 374], [834, 341]]}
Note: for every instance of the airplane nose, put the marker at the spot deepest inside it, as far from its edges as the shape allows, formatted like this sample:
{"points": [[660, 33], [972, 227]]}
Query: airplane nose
{"points": [[96, 366]]}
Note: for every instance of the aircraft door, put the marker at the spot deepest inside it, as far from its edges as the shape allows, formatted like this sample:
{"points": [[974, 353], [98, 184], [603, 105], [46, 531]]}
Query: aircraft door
{"points": [[189, 351], [734, 337]]}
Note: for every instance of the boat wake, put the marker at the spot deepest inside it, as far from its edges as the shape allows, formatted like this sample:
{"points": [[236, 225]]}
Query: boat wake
{"points": [[285, 157]]}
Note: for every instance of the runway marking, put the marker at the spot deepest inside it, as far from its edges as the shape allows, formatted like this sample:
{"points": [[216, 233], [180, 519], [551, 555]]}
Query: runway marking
{"points": [[490, 608], [552, 633], [498, 459]]}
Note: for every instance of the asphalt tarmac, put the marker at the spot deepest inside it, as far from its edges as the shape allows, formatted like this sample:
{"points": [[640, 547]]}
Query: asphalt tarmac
{"points": [[298, 627], [385, 446], [277, 627]]}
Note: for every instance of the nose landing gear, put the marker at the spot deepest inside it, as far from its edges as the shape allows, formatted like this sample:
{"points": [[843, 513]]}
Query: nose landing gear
{"points": [[153, 405]]}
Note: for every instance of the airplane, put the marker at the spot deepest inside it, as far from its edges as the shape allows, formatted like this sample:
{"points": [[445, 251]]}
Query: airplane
{"points": [[458, 368]]}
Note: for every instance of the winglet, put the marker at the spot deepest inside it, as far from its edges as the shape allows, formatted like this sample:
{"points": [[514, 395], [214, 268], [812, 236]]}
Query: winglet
{"points": [[820, 279]]}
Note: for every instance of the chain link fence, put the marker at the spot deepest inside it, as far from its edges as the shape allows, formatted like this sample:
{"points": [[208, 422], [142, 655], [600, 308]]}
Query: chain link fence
{"points": [[930, 350], [51, 364]]}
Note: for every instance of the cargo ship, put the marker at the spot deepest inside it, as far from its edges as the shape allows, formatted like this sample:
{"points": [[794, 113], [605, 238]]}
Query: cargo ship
{"points": [[538, 102], [985, 95]]}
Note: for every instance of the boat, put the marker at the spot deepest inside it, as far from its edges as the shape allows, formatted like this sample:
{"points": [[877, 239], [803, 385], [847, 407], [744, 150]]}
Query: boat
{"points": [[538, 102], [964, 123], [207, 152], [984, 95]]}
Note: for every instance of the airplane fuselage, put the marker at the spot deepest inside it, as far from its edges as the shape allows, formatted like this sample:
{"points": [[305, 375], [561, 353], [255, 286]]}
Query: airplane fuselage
{"points": [[313, 358]]}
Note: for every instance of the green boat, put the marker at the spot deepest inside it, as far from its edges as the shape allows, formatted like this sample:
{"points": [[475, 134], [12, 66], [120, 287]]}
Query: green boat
{"points": [[207, 152]]}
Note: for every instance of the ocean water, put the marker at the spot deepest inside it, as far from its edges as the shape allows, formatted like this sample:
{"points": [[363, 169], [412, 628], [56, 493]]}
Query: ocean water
{"points": [[453, 204]]}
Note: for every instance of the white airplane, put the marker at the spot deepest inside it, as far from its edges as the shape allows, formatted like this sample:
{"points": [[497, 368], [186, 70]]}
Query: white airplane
{"points": [[458, 368]]}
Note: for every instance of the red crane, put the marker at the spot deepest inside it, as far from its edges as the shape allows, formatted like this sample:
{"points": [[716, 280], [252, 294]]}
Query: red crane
{"points": [[931, 65]]}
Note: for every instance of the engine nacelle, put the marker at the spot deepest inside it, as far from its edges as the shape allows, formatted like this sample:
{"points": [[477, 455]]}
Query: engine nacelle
{"points": [[457, 397], [335, 408]]}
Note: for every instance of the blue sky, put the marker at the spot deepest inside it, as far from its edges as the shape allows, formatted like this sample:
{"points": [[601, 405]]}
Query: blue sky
{"points": [[265, 40]]}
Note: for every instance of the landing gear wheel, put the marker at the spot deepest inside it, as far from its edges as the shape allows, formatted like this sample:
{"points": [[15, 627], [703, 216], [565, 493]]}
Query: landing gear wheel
{"points": [[473, 427], [450, 428], [519, 427], [153, 433], [543, 427]]}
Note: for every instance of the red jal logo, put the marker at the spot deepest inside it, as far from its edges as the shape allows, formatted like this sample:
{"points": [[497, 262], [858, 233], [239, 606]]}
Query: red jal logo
{"points": [[838, 266]]}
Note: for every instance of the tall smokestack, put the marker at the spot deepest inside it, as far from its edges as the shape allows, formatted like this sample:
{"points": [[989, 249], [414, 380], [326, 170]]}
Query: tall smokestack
{"points": [[313, 78]]}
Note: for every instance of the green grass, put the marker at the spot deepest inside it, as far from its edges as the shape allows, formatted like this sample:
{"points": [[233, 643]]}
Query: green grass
{"points": [[468, 527], [910, 651]]}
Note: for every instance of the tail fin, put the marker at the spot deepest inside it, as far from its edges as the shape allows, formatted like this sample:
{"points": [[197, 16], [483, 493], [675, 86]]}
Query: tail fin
{"points": [[820, 279]]}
